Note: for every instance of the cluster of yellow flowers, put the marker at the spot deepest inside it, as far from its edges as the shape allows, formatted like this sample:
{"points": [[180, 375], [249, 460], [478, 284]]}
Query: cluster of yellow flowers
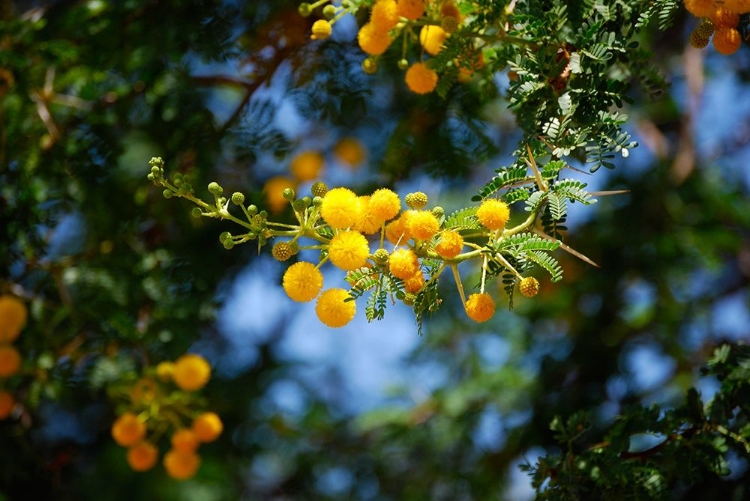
{"points": [[154, 409], [13, 314], [720, 20], [393, 19]]}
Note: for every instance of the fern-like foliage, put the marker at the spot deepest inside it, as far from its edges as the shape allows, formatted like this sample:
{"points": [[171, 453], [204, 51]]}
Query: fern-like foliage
{"points": [[463, 219]]}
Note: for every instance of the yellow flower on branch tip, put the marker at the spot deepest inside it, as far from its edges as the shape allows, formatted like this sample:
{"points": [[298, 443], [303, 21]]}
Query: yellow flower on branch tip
{"points": [[414, 283], [727, 41], [450, 245], [403, 263], [333, 309], [384, 14], [128, 430], [181, 465], [384, 204], [349, 151], [10, 360], [13, 315], [321, 29], [529, 286], [397, 231], [723, 18], [302, 281], [432, 38], [423, 225], [738, 6], [700, 8], [307, 165], [191, 372], [274, 191], [372, 40], [340, 208], [480, 307], [142, 456], [184, 440], [164, 371], [7, 402], [421, 79], [411, 9], [207, 427], [493, 214], [349, 250], [368, 223]]}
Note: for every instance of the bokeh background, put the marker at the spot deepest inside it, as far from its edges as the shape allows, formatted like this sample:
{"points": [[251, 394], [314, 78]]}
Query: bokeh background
{"points": [[119, 278]]}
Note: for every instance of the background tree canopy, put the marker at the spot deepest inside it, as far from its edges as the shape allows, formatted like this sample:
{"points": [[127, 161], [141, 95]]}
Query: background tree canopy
{"points": [[625, 381]]}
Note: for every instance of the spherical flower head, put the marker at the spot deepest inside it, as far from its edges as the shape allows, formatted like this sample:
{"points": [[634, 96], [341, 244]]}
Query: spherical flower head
{"points": [[411, 9], [184, 440], [164, 371], [414, 283], [493, 214], [302, 281], [306, 165], [529, 286], [340, 208], [350, 151], [368, 223], [397, 231], [416, 200], [10, 360], [450, 245], [403, 263], [727, 41], [191, 372], [7, 402], [207, 427], [349, 250], [333, 309], [724, 18], [423, 225], [384, 204], [449, 9], [181, 465], [321, 29], [13, 315], [421, 79], [738, 6], [706, 28], [697, 40], [700, 8], [274, 191], [142, 456], [373, 40], [480, 307], [432, 38], [384, 15], [128, 430]]}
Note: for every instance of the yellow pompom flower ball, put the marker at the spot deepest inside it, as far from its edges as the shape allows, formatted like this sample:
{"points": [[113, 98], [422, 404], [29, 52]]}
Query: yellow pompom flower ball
{"points": [[349, 151], [274, 191], [191, 372], [450, 245], [10, 360], [340, 208], [738, 6], [397, 231], [403, 263], [421, 79], [207, 427], [164, 371], [529, 286], [700, 8], [493, 214], [480, 307], [128, 430], [385, 204], [724, 18], [306, 166], [423, 225], [349, 250], [302, 281], [727, 41], [181, 465], [411, 9], [184, 440], [321, 29], [414, 283], [384, 15], [368, 223], [333, 309], [372, 40], [142, 456], [13, 315], [7, 402], [432, 38]]}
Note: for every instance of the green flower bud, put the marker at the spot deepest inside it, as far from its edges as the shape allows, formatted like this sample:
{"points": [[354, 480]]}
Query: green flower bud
{"points": [[409, 299], [281, 251], [238, 198], [304, 9], [167, 193], [317, 201], [288, 194], [214, 188], [370, 65], [403, 64], [380, 256], [438, 212], [224, 236], [307, 201], [416, 200], [196, 212], [252, 210], [150, 177], [228, 244], [329, 11], [319, 189], [299, 205]]}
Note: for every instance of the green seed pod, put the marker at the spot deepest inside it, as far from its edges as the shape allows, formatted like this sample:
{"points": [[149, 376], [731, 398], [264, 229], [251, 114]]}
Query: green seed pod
{"points": [[319, 189], [196, 212], [214, 188], [238, 198]]}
